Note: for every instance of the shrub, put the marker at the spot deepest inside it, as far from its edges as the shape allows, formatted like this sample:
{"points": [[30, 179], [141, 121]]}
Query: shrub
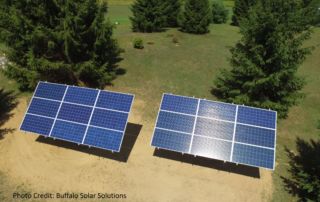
{"points": [[219, 13], [175, 40], [138, 43]]}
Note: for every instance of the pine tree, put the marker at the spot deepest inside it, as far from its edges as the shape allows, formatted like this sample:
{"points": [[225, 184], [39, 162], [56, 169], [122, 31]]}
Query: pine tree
{"points": [[265, 61], [59, 41], [196, 17], [148, 16], [219, 13], [313, 10], [241, 9], [171, 11]]}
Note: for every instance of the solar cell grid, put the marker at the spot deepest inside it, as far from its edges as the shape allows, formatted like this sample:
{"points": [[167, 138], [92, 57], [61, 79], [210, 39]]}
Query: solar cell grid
{"points": [[44, 107], [115, 101], [64, 112], [103, 138], [171, 140], [257, 117], [68, 131], [50, 91], [254, 156], [37, 124], [217, 110], [173, 121], [211, 148], [179, 104], [79, 114], [256, 136], [83, 96], [214, 128], [222, 131], [109, 119]]}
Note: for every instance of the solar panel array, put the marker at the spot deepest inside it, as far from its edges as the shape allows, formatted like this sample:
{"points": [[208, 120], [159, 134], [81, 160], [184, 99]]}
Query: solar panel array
{"points": [[81, 115], [227, 132]]}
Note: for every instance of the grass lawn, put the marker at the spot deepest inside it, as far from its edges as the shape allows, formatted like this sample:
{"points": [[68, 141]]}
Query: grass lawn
{"points": [[189, 69]]}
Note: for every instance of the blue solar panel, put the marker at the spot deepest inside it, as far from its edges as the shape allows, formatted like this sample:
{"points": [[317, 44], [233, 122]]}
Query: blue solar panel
{"points": [[217, 110], [50, 91], [44, 107], [255, 156], [72, 113], [37, 124], [214, 128], [179, 104], [256, 136], [257, 117], [115, 101], [79, 114], [171, 140], [109, 119], [102, 138], [83, 96], [68, 131], [211, 148], [177, 122]]}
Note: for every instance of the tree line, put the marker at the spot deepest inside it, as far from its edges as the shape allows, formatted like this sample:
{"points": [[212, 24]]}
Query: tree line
{"points": [[72, 42], [192, 16]]}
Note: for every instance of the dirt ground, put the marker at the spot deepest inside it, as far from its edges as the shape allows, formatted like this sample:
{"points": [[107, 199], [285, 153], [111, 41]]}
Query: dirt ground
{"points": [[46, 165]]}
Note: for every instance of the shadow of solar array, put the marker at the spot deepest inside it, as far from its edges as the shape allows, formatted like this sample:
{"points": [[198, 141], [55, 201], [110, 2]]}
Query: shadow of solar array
{"points": [[80, 115], [227, 132]]}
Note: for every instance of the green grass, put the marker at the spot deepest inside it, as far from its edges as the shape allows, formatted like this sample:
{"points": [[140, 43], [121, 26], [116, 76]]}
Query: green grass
{"points": [[302, 121]]}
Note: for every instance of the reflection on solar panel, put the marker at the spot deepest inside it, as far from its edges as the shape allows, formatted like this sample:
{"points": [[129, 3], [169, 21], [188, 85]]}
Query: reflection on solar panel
{"points": [[80, 115], [227, 132]]}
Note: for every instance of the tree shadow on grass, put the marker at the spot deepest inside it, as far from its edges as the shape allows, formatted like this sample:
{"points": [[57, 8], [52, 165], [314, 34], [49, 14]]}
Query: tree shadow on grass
{"points": [[7, 104], [304, 171], [209, 163], [130, 137]]}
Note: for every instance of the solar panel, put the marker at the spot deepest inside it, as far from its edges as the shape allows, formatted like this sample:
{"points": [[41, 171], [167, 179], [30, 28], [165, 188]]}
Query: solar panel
{"points": [[228, 132], [81, 115]]}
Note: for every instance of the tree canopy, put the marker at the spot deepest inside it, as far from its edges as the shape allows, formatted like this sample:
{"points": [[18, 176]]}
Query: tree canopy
{"points": [[172, 12], [196, 17], [266, 59], [60, 41], [241, 9], [219, 13], [148, 15]]}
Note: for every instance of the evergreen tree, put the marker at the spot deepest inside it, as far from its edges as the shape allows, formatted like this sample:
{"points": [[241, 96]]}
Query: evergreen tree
{"points": [[265, 61], [171, 12], [219, 13], [148, 15], [59, 41], [196, 17], [241, 9], [313, 10]]}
